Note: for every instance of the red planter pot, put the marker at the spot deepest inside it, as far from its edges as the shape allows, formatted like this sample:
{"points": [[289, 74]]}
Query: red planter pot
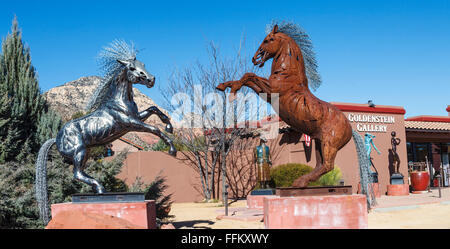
{"points": [[420, 180]]}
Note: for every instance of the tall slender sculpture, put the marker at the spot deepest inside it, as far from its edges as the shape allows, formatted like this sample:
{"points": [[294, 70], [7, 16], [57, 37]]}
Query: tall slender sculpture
{"points": [[368, 141], [294, 68], [263, 163], [396, 177], [113, 114], [396, 159]]}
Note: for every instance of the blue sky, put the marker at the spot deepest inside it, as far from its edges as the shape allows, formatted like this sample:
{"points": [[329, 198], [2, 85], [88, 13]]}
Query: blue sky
{"points": [[393, 52]]}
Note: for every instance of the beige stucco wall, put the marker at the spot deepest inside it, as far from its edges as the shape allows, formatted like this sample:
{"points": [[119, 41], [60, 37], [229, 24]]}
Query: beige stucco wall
{"points": [[182, 180]]}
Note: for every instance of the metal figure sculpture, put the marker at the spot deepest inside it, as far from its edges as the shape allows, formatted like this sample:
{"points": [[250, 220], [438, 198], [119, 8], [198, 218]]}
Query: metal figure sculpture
{"points": [[368, 141], [396, 159], [293, 70], [263, 163], [114, 113]]}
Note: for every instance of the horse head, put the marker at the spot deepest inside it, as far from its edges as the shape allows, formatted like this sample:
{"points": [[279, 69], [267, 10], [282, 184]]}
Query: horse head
{"points": [[137, 74], [269, 47]]}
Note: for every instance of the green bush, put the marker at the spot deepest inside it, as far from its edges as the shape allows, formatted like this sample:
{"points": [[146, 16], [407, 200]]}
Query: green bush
{"points": [[155, 191], [284, 175], [18, 207], [331, 178]]}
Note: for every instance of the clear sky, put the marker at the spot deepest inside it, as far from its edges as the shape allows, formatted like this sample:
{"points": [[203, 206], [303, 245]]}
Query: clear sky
{"points": [[393, 52]]}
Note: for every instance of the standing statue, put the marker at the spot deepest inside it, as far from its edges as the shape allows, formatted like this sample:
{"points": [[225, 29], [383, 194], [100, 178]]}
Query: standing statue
{"points": [[368, 141], [293, 68], [113, 114], [396, 176], [263, 163], [396, 159]]}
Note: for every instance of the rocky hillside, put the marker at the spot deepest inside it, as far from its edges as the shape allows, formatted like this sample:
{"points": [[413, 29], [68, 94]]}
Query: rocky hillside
{"points": [[73, 96]]}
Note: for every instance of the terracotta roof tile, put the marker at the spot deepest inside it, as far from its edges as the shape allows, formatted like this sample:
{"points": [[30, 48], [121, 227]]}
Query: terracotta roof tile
{"points": [[423, 125]]}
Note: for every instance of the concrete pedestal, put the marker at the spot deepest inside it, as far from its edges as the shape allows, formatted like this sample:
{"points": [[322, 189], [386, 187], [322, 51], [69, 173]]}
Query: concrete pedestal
{"points": [[128, 215], [256, 201], [309, 212], [398, 189]]}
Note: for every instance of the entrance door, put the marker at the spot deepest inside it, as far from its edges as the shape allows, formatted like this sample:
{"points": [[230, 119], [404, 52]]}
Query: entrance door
{"points": [[445, 169]]}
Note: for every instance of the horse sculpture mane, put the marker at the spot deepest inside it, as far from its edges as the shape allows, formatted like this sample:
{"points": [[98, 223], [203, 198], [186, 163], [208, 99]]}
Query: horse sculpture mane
{"points": [[108, 60], [302, 39]]}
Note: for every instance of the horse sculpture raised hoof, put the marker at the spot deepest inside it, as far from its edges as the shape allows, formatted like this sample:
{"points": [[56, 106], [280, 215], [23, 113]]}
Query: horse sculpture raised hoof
{"points": [[298, 107], [114, 113]]}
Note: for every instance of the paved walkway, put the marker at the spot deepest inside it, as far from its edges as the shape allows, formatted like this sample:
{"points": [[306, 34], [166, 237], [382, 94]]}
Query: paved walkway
{"points": [[392, 212], [387, 203], [384, 204]]}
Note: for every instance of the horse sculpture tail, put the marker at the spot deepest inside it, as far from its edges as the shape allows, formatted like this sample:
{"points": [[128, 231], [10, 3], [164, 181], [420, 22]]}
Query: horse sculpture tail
{"points": [[41, 180], [364, 166]]}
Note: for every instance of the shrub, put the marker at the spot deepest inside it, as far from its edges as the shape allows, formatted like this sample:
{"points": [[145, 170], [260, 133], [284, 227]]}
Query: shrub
{"points": [[331, 178], [155, 191], [285, 174], [18, 207]]}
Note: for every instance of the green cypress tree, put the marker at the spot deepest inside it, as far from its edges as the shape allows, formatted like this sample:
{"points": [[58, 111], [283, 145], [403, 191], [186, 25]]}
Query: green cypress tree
{"points": [[18, 82]]}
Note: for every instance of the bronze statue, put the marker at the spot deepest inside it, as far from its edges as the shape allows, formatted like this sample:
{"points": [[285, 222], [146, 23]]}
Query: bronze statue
{"points": [[396, 159], [291, 73], [263, 163], [113, 114]]}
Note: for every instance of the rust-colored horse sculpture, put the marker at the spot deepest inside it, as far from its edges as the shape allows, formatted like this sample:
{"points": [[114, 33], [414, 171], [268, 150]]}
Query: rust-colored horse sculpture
{"points": [[298, 107]]}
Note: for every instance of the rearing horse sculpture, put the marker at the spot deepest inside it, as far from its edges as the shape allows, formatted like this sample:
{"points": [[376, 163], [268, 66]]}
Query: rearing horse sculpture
{"points": [[114, 114], [298, 107]]}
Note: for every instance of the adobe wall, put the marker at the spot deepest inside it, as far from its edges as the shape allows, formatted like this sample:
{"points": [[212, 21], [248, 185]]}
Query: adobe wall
{"points": [[182, 180]]}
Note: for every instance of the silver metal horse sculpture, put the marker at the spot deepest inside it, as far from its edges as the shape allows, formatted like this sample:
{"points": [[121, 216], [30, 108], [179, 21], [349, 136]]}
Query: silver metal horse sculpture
{"points": [[114, 113]]}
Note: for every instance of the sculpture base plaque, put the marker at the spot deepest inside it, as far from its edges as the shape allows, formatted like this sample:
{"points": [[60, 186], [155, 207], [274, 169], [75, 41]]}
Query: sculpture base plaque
{"points": [[314, 191], [267, 191], [108, 197]]}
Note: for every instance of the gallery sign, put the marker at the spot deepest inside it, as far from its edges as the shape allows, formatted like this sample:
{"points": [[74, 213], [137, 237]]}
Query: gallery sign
{"points": [[371, 123]]}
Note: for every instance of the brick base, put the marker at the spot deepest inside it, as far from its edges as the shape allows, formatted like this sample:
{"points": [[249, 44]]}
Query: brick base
{"points": [[333, 211], [256, 201], [137, 215], [398, 189]]}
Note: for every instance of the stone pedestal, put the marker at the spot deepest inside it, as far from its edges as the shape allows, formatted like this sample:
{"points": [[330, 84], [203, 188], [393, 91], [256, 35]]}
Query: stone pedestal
{"points": [[309, 212], [256, 201], [398, 189], [128, 215]]}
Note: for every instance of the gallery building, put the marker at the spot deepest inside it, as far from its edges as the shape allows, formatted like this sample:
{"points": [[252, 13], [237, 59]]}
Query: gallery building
{"points": [[424, 146]]}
